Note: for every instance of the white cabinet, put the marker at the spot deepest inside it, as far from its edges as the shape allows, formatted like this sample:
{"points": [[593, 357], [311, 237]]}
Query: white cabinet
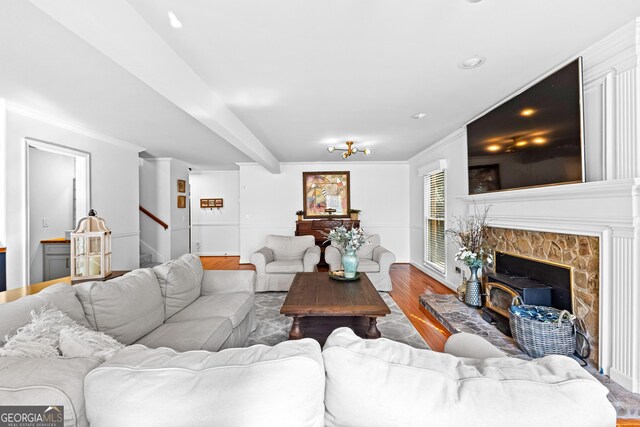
{"points": [[57, 260]]}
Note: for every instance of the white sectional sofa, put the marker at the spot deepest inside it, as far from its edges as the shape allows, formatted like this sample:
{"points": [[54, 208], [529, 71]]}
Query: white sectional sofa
{"points": [[176, 305], [185, 381], [351, 382]]}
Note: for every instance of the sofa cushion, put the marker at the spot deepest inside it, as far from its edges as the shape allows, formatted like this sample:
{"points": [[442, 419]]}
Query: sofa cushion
{"points": [[202, 334], [285, 266], [366, 251], [127, 307], [17, 313], [45, 382], [180, 281], [368, 266], [63, 297], [423, 387], [235, 306], [281, 385], [289, 247]]}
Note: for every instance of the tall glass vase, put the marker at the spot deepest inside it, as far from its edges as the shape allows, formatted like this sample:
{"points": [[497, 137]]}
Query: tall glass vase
{"points": [[350, 263], [473, 293]]}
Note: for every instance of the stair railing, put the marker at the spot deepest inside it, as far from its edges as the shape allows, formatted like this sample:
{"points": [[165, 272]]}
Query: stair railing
{"points": [[153, 217]]}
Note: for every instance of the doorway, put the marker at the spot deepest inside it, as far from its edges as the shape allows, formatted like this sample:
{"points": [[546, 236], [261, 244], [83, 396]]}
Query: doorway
{"points": [[58, 195]]}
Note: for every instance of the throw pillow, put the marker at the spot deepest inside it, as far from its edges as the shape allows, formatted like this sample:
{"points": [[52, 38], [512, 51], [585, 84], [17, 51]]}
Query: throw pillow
{"points": [[83, 342], [48, 329], [38, 338]]}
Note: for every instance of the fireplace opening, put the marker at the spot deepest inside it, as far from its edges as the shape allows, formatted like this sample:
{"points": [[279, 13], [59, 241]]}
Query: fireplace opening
{"points": [[535, 282]]}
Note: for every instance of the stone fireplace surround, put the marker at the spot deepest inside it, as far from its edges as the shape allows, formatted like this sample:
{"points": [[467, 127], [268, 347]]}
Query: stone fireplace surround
{"points": [[581, 253], [594, 218]]}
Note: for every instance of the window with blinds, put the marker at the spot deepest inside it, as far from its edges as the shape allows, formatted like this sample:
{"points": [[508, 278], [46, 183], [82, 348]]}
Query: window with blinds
{"points": [[434, 220]]}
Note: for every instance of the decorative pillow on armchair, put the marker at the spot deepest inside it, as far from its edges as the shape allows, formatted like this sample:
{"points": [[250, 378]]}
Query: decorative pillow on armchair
{"points": [[51, 333]]}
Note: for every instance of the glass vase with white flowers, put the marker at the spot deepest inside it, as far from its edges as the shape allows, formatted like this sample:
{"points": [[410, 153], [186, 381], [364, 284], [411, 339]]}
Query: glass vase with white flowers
{"points": [[470, 235], [349, 241]]}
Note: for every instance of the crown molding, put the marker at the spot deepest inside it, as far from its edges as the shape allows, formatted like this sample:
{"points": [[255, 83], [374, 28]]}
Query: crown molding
{"points": [[462, 131], [333, 162]]}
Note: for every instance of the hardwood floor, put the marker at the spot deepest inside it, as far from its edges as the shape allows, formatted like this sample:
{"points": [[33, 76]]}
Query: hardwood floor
{"points": [[224, 263], [408, 284]]}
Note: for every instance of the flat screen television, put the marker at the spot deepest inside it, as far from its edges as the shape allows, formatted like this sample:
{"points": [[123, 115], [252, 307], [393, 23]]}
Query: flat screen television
{"points": [[533, 139]]}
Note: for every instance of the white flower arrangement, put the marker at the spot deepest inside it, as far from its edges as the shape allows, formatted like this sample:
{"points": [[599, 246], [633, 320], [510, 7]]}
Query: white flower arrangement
{"points": [[470, 234], [351, 240], [473, 259]]}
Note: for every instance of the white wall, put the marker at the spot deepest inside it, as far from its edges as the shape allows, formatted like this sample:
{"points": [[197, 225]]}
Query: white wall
{"points": [[268, 202], [453, 150], [179, 224], [50, 196], [159, 195], [155, 196], [215, 232], [114, 188], [3, 172]]}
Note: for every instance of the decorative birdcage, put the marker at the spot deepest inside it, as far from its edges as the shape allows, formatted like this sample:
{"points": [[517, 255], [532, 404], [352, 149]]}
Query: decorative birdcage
{"points": [[90, 249]]}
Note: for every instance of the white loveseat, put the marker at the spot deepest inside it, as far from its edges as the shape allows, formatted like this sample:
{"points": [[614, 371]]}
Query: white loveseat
{"points": [[281, 258], [351, 382], [176, 305], [374, 260]]}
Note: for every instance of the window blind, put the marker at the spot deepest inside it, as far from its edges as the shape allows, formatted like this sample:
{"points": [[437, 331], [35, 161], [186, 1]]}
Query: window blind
{"points": [[434, 220]]}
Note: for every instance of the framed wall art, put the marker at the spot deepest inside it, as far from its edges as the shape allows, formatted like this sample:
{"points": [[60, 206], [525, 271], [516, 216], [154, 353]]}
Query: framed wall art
{"points": [[326, 194], [212, 203], [182, 186], [182, 202]]}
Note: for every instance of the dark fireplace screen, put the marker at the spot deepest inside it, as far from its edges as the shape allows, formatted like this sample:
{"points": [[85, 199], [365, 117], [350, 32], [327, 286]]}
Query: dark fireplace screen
{"points": [[536, 282]]}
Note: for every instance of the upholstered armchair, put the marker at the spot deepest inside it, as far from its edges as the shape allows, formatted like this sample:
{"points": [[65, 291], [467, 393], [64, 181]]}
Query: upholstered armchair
{"points": [[281, 258], [373, 260]]}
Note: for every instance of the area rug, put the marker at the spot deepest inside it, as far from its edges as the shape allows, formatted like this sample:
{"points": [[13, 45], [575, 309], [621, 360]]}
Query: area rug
{"points": [[273, 327]]}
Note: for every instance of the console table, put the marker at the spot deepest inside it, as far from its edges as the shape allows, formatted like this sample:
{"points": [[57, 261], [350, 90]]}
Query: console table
{"points": [[319, 228]]}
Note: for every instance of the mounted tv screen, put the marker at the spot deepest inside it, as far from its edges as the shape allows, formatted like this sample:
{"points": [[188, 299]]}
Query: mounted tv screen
{"points": [[533, 139]]}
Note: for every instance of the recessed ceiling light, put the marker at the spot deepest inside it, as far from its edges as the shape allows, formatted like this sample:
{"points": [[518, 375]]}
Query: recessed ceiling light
{"points": [[419, 115], [539, 140], [527, 112], [494, 147], [521, 143], [173, 20], [473, 62]]}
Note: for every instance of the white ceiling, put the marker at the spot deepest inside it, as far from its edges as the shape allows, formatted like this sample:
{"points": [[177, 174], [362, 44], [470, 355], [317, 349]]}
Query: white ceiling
{"points": [[46, 68], [302, 75]]}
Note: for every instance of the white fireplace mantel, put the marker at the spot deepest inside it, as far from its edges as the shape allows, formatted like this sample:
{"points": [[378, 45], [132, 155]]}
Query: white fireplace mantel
{"points": [[589, 207]]}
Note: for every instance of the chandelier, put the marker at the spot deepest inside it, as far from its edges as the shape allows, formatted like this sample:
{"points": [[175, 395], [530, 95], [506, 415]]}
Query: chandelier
{"points": [[350, 150]]}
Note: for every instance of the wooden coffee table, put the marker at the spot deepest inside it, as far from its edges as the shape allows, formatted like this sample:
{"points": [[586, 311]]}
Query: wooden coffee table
{"points": [[319, 304]]}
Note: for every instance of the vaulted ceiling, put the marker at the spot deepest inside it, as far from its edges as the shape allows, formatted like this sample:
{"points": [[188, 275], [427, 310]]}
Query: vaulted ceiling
{"points": [[274, 81]]}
